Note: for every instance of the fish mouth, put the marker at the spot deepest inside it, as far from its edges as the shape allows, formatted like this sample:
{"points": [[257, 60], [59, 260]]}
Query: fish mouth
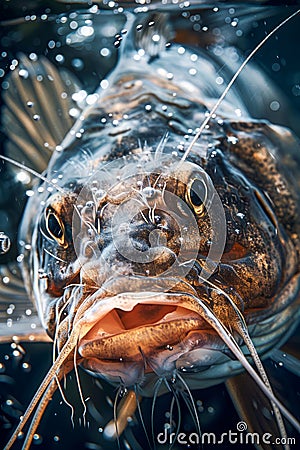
{"points": [[131, 334]]}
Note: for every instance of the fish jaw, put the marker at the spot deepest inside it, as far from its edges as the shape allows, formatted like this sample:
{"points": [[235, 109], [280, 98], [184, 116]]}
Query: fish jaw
{"points": [[131, 334]]}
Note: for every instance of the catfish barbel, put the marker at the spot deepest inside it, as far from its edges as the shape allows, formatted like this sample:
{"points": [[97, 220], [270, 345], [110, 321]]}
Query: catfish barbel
{"points": [[161, 244]]}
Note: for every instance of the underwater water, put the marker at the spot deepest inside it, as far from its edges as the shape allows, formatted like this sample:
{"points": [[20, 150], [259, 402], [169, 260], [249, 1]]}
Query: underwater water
{"points": [[83, 40]]}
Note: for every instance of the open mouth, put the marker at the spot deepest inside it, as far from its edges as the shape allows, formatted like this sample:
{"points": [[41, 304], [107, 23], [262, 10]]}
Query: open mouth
{"points": [[149, 330], [147, 327]]}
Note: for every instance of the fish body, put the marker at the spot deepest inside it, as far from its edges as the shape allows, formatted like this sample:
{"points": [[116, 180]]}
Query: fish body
{"points": [[148, 256]]}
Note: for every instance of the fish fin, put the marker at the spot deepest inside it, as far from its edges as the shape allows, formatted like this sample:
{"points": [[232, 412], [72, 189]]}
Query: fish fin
{"points": [[253, 408], [18, 318], [36, 115]]}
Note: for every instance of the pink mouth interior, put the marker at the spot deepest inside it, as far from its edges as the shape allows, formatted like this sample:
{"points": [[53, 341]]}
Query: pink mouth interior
{"points": [[118, 321]]}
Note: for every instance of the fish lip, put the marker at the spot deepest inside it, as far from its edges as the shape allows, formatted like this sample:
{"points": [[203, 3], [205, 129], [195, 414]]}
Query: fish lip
{"points": [[185, 318], [126, 301]]}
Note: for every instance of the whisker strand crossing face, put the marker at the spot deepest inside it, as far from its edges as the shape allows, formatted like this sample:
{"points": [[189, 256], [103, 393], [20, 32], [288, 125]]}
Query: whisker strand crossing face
{"points": [[159, 246]]}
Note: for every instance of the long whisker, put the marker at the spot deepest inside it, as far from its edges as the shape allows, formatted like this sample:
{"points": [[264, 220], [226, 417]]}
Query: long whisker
{"points": [[237, 73], [65, 400], [39, 413], [247, 339], [229, 340], [160, 148], [116, 417], [79, 387], [155, 395], [67, 349], [141, 415], [58, 331], [44, 234], [52, 373], [38, 175], [241, 327], [193, 406], [126, 408], [173, 401], [54, 256], [176, 399], [33, 172]]}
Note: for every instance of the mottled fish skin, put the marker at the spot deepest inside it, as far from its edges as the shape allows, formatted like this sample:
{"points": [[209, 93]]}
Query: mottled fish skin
{"points": [[128, 147], [136, 112]]}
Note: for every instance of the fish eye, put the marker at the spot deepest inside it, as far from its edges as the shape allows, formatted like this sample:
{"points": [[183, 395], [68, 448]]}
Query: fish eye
{"points": [[197, 195], [55, 228]]}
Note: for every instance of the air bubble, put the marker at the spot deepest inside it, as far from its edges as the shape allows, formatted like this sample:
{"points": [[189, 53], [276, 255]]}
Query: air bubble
{"points": [[20, 435], [20, 258], [77, 63], [33, 56], [276, 67], [92, 98], [104, 52], [148, 192], [26, 367], [232, 140], [73, 25], [36, 117], [275, 105], [60, 58], [5, 243], [37, 439], [23, 177], [23, 73]]}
